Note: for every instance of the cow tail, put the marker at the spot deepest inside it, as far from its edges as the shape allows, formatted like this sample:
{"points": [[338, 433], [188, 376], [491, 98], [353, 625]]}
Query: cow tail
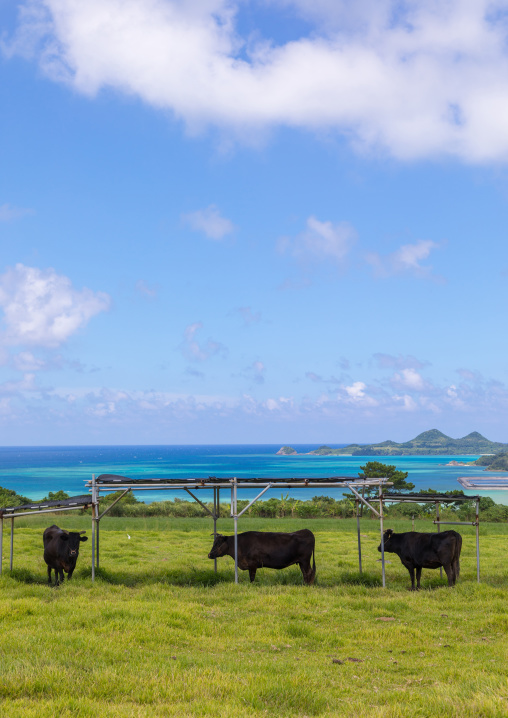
{"points": [[457, 555], [313, 574]]}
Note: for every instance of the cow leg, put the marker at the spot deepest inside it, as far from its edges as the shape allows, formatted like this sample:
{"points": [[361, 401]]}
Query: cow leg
{"points": [[307, 572], [69, 575], [449, 574], [49, 575], [412, 574], [252, 574], [418, 576]]}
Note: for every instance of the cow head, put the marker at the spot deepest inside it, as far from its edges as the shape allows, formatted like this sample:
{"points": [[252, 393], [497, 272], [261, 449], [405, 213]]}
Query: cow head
{"points": [[386, 540], [220, 546], [72, 540]]}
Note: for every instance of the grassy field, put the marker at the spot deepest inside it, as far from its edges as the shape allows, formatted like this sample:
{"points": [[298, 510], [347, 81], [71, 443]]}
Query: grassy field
{"points": [[160, 634]]}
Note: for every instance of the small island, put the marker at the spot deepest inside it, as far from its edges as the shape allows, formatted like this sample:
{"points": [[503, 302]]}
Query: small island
{"points": [[287, 451]]}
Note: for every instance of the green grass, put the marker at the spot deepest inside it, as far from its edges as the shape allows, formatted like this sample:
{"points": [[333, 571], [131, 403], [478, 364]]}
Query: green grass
{"points": [[160, 634]]}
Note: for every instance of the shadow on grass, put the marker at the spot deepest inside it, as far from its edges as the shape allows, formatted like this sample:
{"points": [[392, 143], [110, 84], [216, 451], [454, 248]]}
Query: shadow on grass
{"points": [[355, 578], [192, 577], [24, 575]]}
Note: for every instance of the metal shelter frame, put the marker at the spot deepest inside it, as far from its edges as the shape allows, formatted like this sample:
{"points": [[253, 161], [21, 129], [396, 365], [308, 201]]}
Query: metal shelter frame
{"points": [[438, 499], [108, 483], [73, 503], [114, 482]]}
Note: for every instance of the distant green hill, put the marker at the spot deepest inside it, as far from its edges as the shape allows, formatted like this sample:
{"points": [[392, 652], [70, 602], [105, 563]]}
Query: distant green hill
{"points": [[429, 442]]}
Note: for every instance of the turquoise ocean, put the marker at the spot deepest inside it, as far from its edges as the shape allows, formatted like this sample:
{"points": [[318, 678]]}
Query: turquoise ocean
{"points": [[35, 471]]}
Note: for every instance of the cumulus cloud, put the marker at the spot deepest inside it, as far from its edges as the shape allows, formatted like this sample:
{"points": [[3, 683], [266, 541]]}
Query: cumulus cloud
{"points": [[356, 394], [417, 79], [210, 222], [407, 258], [197, 351], [26, 361], [321, 241], [26, 384], [410, 379], [41, 307], [9, 212]]}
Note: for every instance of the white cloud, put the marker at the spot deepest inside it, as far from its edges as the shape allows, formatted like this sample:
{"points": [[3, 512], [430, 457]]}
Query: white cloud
{"points": [[407, 401], [210, 221], [41, 308], [418, 79], [407, 258], [410, 379], [26, 384], [26, 361], [356, 394], [193, 350], [321, 241], [9, 212]]}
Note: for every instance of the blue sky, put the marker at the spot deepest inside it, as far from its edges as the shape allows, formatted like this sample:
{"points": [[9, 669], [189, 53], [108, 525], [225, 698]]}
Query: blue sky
{"points": [[275, 221]]}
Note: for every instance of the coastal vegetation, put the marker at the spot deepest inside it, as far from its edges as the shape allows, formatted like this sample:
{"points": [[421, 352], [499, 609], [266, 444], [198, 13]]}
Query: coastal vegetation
{"points": [[497, 462], [9, 498], [427, 443], [160, 634]]}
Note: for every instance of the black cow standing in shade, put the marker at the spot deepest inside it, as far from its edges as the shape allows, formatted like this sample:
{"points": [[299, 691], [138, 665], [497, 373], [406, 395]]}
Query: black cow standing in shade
{"points": [[61, 551], [424, 550], [266, 549]]}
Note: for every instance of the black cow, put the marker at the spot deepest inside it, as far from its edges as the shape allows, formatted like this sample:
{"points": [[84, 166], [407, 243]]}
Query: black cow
{"points": [[266, 549], [61, 550], [422, 550]]}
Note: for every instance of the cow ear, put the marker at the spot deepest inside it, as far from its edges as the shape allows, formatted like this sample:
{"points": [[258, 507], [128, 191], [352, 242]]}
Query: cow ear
{"points": [[83, 538], [64, 537], [388, 532]]}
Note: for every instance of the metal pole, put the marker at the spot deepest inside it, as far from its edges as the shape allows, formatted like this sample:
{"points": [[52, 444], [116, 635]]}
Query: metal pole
{"points": [[236, 527], [94, 513], [478, 540], [439, 531], [382, 534], [413, 522], [215, 523], [1, 542], [357, 503], [98, 538], [12, 541]]}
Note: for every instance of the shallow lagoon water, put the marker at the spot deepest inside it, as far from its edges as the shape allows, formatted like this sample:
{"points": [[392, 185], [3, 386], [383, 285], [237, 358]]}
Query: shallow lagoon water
{"points": [[34, 471]]}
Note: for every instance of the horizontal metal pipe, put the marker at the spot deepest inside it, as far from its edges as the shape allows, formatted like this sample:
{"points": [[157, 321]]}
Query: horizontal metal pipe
{"points": [[284, 485], [43, 511], [456, 523]]}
